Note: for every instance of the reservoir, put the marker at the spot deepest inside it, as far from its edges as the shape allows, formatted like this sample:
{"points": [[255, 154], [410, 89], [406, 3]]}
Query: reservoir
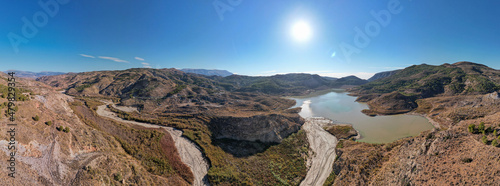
{"points": [[342, 108]]}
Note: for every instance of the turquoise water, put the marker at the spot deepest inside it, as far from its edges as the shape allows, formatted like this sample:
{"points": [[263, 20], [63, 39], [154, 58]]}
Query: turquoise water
{"points": [[340, 107]]}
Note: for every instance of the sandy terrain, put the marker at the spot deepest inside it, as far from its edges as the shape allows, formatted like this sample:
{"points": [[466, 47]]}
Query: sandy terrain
{"points": [[190, 154], [323, 146], [125, 108]]}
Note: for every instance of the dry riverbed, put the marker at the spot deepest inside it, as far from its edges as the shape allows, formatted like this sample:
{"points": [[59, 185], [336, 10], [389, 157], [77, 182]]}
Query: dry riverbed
{"points": [[323, 154]]}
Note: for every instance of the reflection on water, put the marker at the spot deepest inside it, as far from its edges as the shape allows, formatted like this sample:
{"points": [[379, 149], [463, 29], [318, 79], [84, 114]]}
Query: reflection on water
{"points": [[340, 107], [306, 109]]}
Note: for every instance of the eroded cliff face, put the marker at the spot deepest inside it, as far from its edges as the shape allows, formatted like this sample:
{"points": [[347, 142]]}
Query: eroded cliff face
{"points": [[270, 128]]}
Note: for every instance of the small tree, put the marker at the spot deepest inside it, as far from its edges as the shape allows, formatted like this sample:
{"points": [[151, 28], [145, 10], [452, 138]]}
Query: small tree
{"points": [[494, 143], [472, 128], [481, 127], [36, 118], [59, 128], [49, 123], [66, 129], [484, 139], [489, 129]]}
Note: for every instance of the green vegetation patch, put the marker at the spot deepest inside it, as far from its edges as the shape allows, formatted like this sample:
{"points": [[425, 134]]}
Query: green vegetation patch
{"points": [[4, 90]]}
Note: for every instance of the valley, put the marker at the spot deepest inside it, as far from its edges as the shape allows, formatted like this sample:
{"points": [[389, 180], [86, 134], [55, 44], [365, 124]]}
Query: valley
{"points": [[250, 93], [188, 129], [188, 151]]}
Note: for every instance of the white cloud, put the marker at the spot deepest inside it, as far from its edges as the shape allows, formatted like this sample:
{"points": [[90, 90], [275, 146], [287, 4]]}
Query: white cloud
{"points": [[146, 65], [140, 59], [114, 59], [85, 55]]}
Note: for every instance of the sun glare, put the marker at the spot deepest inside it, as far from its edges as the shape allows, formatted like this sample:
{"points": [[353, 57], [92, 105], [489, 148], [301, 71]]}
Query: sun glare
{"points": [[301, 31]]}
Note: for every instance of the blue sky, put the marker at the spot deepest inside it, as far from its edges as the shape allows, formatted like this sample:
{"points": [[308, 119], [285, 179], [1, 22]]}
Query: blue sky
{"points": [[249, 37]]}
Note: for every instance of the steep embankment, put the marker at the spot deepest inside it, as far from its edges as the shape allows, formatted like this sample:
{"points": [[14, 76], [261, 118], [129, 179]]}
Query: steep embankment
{"points": [[189, 152], [272, 128], [322, 145]]}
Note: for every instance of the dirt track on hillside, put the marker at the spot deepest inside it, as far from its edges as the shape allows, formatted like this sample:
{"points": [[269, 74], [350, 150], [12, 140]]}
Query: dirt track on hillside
{"points": [[190, 154], [323, 146]]}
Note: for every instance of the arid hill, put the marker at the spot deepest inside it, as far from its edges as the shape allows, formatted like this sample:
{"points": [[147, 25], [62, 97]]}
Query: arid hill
{"points": [[287, 84], [212, 114], [461, 100], [424, 81], [60, 142]]}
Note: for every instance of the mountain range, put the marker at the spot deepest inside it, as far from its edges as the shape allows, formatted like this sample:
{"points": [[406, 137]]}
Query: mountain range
{"points": [[222, 73], [248, 133], [33, 75]]}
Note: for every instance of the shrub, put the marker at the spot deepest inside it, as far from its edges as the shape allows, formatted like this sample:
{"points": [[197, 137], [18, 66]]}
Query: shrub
{"points": [[49, 123], [489, 129], [340, 144], [494, 143], [118, 177], [484, 139], [495, 133], [467, 160], [36, 118], [481, 127], [59, 128], [66, 129], [472, 128]]}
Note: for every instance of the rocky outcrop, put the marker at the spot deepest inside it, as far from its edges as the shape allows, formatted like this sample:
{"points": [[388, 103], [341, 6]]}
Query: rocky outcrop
{"points": [[264, 128], [493, 95], [391, 103]]}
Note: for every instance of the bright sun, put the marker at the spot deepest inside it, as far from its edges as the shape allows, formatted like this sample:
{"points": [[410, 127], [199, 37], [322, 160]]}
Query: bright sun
{"points": [[301, 31]]}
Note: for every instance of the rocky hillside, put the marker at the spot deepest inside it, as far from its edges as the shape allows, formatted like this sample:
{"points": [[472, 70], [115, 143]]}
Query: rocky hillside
{"points": [[381, 75], [210, 113], [463, 149], [57, 145], [288, 84], [424, 81], [459, 152]]}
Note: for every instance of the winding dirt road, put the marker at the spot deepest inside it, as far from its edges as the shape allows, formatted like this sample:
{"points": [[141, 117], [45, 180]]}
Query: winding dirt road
{"points": [[190, 153], [323, 146]]}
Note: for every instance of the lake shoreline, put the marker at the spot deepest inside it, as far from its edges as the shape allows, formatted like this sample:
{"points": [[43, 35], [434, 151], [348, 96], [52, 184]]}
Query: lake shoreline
{"points": [[341, 108]]}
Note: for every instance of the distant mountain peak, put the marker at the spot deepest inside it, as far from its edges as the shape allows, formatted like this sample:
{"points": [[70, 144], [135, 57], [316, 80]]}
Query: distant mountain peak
{"points": [[207, 72]]}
